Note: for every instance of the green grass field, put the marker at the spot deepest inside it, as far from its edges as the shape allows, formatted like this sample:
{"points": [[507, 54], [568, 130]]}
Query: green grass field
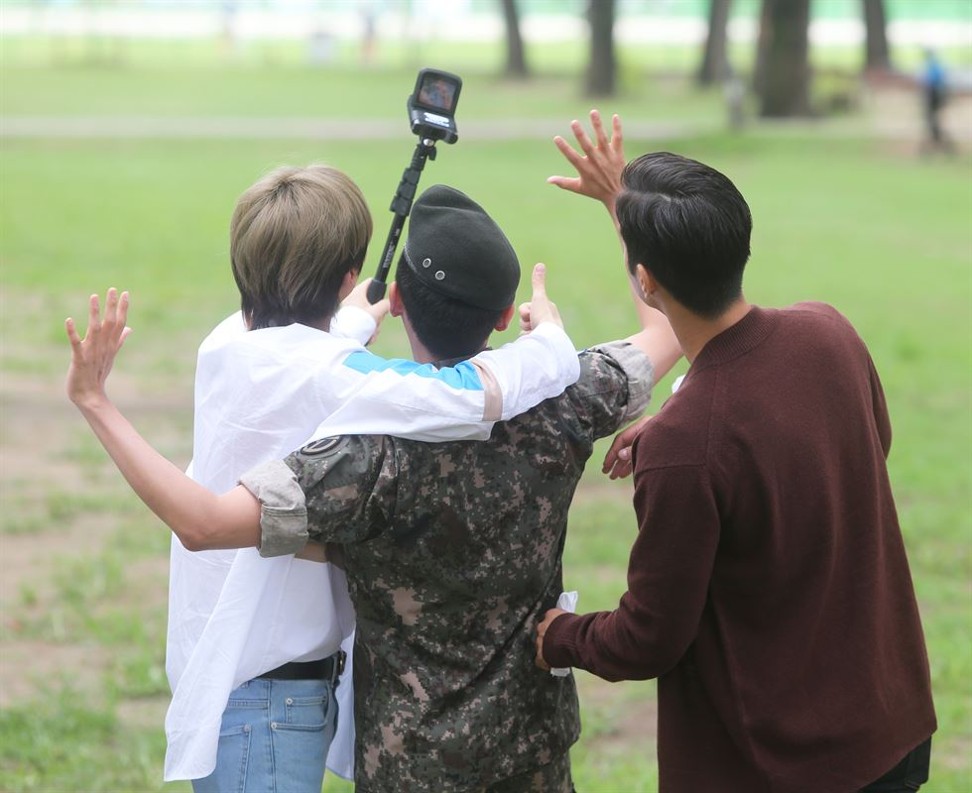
{"points": [[864, 224]]}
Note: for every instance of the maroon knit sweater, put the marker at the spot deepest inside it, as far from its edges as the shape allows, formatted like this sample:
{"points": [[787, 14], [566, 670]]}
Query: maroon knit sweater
{"points": [[768, 587]]}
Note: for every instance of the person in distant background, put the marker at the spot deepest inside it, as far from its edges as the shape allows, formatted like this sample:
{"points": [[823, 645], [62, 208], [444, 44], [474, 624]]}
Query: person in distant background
{"points": [[369, 32], [934, 91]]}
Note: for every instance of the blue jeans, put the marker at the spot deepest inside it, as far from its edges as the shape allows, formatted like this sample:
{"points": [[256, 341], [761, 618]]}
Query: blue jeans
{"points": [[274, 738]]}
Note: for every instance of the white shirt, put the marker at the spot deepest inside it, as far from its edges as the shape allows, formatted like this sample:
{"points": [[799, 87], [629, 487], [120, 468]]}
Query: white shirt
{"points": [[259, 395]]}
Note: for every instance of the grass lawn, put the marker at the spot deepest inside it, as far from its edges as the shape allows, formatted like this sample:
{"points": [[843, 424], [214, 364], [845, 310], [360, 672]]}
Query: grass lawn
{"points": [[869, 227]]}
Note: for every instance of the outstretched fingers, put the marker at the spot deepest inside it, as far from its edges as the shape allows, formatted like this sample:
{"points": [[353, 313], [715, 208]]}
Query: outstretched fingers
{"points": [[93, 355], [598, 126], [616, 143], [568, 151], [116, 315], [617, 138], [598, 160], [111, 314], [94, 325], [72, 333], [572, 183], [94, 315], [583, 140]]}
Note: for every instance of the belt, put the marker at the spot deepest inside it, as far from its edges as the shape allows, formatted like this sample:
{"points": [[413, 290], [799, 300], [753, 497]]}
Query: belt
{"points": [[325, 669]]}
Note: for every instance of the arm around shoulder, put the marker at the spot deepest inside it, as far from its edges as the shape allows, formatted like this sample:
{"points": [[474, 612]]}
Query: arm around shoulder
{"points": [[339, 489]]}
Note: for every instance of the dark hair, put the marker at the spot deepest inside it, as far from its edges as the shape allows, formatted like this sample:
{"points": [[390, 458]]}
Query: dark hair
{"points": [[689, 226], [294, 236], [448, 328]]}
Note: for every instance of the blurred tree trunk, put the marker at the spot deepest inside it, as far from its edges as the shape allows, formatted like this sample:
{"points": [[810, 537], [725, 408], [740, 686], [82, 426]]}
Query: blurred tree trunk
{"points": [[783, 61], [516, 65], [602, 69], [762, 37], [877, 55], [715, 59], [104, 47]]}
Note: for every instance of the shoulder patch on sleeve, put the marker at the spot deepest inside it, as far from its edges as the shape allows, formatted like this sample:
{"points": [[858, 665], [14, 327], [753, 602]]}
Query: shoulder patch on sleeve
{"points": [[323, 446]]}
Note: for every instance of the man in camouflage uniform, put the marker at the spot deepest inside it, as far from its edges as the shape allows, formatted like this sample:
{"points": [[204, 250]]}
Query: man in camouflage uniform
{"points": [[453, 550]]}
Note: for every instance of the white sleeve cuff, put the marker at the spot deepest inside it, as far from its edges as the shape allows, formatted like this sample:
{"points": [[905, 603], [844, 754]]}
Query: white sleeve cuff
{"points": [[537, 366], [352, 322]]}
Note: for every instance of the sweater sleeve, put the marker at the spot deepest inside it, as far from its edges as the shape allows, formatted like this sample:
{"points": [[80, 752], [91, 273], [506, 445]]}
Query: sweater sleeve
{"points": [[668, 578]]}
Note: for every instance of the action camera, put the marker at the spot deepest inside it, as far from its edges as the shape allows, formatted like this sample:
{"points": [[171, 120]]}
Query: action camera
{"points": [[432, 105]]}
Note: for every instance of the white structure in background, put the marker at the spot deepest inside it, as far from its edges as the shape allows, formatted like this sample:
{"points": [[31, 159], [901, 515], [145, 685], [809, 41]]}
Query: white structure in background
{"points": [[419, 20]]}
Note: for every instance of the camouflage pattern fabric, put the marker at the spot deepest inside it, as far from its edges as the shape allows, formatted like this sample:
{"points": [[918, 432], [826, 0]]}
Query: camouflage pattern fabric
{"points": [[552, 778], [453, 554]]}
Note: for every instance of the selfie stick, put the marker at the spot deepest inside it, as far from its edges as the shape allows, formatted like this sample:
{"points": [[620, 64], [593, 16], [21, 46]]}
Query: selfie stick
{"points": [[401, 205]]}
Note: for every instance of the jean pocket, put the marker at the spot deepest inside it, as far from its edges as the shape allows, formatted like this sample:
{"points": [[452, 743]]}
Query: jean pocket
{"points": [[305, 713], [232, 759]]}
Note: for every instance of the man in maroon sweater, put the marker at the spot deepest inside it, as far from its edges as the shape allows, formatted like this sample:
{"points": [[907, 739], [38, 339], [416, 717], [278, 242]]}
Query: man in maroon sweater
{"points": [[768, 587]]}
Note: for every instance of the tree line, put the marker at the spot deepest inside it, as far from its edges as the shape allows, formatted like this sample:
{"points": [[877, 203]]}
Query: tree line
{"points": [[781, 77]]}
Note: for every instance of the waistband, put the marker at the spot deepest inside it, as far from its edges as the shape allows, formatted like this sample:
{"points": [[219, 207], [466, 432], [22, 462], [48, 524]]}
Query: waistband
{"points": [[324, 669]]}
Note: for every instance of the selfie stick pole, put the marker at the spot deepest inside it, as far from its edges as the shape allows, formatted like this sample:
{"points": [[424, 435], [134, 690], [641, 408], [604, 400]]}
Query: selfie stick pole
{"points": [[401, 205]]}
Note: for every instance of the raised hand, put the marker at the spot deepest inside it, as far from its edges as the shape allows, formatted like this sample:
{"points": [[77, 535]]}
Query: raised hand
{"points": [[92, 357], [540, 308], [599, 168]]}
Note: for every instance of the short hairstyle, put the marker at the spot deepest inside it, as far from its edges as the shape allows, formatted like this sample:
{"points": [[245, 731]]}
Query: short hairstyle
{"points": [[689, 226], [294, 236], [447, 327]]}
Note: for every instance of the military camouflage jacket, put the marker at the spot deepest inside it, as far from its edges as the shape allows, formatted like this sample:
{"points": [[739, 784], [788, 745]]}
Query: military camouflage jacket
{"points": [[453, 554]]}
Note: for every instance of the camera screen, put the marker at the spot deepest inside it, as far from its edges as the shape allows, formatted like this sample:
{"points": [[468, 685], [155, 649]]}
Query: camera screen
{"points": [[438, 93]]}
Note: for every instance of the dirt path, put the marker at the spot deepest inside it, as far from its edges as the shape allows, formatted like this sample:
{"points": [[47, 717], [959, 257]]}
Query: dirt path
{"points": [[889, 113]]}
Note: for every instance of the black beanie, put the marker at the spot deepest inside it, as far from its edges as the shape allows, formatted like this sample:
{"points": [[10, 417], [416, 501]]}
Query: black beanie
{"points": [[456, 249]]}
